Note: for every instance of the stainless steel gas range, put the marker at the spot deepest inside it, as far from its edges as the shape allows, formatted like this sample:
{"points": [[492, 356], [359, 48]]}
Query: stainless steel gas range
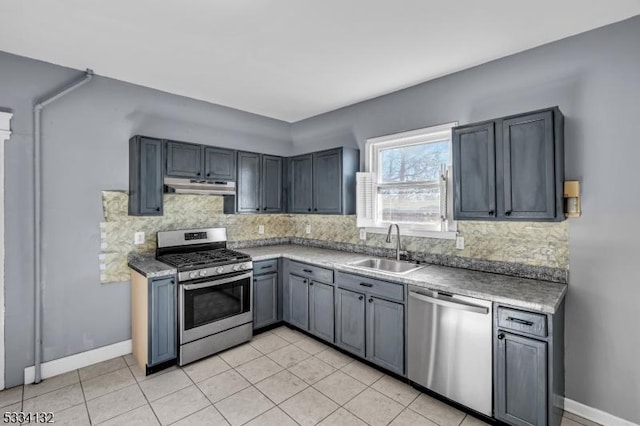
{"points": [[214, 291]]}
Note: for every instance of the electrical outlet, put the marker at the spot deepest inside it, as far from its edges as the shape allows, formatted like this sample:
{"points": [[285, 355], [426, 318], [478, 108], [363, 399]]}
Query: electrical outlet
{"points": [[363, 234], [308, 229], [460, 243], [260, 229], [138, 238]]}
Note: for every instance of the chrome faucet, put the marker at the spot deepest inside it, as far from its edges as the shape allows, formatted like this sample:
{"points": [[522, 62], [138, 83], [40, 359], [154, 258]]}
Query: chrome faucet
{"points": [[397, 238]]}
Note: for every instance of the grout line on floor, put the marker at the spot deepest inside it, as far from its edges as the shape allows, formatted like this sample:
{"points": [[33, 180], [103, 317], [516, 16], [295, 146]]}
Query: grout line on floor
{"points": [[84, 397]]}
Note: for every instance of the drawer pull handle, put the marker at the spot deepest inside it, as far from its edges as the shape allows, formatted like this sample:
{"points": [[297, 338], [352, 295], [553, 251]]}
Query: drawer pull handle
{"points": [[520, 321], [308, 271], [366, 285], [266, 267]]}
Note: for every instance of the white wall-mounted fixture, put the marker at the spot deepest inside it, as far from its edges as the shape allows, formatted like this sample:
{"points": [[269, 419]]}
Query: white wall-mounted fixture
{"points": [[572, 198], [5, 133], [138, 238], [260, 229], [307, 229]]}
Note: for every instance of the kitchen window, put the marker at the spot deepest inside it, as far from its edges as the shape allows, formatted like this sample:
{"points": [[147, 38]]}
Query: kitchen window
{"points": [[408, 182]]}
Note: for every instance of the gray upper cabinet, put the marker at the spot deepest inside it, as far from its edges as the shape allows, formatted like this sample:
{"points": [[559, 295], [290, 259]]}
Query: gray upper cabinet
{"points": [[511, 168], [272, 184], [327, 177], [385, 334], [219, 164], [528, 169], [162, 321], [301, 184], [265, 299], [474, 172], [248, 187], [184, 160], [299, 301], [350, 321], [521, 380], [145, 176], [324, 182], [260, 184], [321, 305]]}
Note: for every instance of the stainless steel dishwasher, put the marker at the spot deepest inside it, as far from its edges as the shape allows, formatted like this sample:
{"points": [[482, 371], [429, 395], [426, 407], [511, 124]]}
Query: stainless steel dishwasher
{"points": [[449, 342]]}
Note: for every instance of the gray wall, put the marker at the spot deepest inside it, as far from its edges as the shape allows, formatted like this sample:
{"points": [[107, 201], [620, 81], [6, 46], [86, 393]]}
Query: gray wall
{"points": [[595, 79], [85, 150]]}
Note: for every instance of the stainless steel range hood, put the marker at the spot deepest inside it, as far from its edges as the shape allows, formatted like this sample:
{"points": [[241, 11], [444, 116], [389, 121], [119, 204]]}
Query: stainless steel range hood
{"points": [[205, 187]]}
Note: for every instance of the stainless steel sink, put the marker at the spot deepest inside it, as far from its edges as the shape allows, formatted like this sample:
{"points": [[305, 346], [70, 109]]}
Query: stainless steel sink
{"points": [[398, 267]]}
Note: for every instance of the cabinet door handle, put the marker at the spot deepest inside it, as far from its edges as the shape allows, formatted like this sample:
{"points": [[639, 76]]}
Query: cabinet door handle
{"points": [[366, 285], [361, 297], [308, 271], [208, 174], [157, 209], [500, 336], [258, 209], [520, 321], [264, 208], [507, 213], [370, 300], [198, 174], [304, 281], [173, 281], [315, 210], [311, 283], [309, 209], [491, 212]]}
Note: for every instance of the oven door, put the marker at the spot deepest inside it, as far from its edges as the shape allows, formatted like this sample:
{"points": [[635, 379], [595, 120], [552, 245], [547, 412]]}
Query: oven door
{"points": [[210, 307]]}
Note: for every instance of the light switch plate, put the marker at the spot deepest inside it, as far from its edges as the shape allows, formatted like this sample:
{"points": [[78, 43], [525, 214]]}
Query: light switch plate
{"points": [[138, 238], [363, 234], [260, 229], [308, 229], [460, 243]]}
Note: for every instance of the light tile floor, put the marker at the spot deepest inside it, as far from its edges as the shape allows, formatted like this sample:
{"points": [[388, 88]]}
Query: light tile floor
{"points": [[281, 377]]}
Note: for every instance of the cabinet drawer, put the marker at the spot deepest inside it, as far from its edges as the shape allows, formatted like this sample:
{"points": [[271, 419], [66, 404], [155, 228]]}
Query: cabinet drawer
{"points": [[371, 286], [525, 322], [265, 267], [313, 272]]}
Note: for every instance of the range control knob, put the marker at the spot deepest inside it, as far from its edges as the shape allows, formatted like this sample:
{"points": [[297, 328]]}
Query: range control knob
{"points": [[236, 267], [220, 270], [193, 275], [244, 266], [203, 272]]}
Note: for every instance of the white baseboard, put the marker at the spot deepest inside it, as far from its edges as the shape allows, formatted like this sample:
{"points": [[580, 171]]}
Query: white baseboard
{"points": [[73, 362], [594, 414]]}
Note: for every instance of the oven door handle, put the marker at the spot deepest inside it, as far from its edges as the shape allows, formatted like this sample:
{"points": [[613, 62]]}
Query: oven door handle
{"points": [[188, 287]]}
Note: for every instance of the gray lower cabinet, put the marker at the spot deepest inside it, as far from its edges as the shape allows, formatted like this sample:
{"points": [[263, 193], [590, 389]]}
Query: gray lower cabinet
{"points": [[521, 380], [321, 304], [385, 334], [370, 320], [265, 299], [162, 320], [299, 301], [145, 176], [350, 321], [528, 366]]}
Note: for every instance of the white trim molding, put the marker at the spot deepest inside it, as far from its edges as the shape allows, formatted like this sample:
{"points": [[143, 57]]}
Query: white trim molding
{"points": [[83, 359], [595, 415], [5, 134]]}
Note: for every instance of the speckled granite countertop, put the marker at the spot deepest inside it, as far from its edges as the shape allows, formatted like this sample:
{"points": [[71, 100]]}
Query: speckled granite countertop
{"points": [[147, 265], [535, 295]]}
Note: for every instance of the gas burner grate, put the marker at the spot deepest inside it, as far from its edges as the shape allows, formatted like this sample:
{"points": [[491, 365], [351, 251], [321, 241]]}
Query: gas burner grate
{"points": [[203, 258]]}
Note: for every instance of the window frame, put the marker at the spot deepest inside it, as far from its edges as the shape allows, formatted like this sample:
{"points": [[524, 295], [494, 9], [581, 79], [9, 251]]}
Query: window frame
{"points": [[413, 137]]}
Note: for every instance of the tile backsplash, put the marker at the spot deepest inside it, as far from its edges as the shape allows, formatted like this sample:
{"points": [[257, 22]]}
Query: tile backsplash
{"points": [[529, 243]]}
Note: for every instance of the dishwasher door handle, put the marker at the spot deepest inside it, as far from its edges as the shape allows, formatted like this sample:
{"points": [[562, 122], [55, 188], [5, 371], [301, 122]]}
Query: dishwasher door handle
{"points": [[449, 304]]}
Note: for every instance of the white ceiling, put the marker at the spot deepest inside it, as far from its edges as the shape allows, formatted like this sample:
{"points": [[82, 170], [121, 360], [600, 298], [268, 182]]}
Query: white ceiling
{"points": [[289, 59]]}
